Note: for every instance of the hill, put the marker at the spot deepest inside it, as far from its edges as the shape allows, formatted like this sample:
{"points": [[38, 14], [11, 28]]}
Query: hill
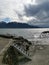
{"points": [[16, 25]]}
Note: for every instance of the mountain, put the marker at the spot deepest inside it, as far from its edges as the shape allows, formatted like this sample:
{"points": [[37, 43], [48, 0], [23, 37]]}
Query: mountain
{"points": [[3, 24], [16, 25]]}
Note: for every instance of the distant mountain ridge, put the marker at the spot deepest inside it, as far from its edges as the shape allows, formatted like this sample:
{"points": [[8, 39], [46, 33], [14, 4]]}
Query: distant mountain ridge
{"points": [[16, 25]]}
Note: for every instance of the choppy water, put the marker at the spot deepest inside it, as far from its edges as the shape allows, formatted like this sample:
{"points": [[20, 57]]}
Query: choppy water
{"points": [[26, 33]]}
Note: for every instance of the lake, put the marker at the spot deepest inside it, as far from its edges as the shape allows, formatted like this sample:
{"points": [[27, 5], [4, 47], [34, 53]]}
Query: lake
{"points": [[26, 33]]}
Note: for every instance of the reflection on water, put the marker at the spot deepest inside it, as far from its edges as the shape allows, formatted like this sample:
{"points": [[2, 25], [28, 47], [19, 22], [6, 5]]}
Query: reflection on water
{"points": [[26, 33]]}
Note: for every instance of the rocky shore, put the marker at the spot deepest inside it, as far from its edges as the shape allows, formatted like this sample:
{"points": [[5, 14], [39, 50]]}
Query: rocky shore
{"points": [[39, 53]]}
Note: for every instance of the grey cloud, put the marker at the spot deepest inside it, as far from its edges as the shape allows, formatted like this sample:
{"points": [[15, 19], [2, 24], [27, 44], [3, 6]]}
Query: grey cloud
{"points": [[41, 23], [20, 15], [32, 10], [40, 11], [41, 1]]}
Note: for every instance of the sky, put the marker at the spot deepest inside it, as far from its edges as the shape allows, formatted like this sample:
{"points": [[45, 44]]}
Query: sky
{"points": [[34, 12]]}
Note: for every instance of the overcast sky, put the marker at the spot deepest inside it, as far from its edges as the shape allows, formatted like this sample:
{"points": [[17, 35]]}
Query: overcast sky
{"points": [[31, 11]]}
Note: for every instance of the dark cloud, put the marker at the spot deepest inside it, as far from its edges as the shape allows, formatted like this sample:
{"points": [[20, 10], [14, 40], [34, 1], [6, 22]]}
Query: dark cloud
{"points": [[33, 10], [41, 1], [40, 11], [41, 23]]}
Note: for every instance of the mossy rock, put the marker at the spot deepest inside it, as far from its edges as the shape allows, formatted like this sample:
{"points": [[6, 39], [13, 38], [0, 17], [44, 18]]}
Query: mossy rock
{"points": [[10, 57]]}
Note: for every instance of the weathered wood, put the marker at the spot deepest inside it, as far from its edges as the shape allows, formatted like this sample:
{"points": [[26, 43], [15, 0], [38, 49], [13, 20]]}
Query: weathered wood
{"points": [[22, 51]]}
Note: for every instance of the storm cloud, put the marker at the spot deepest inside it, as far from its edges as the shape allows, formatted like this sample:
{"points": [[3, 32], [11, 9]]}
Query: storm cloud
{"points": [[40, 12], [33, 10]]}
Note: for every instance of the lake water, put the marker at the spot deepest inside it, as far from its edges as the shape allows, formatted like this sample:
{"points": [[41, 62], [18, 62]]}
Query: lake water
{"points": [[26, 33]]}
